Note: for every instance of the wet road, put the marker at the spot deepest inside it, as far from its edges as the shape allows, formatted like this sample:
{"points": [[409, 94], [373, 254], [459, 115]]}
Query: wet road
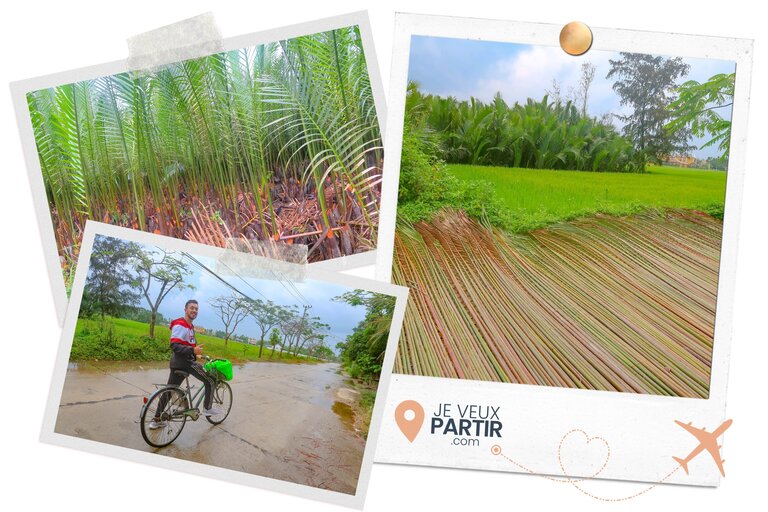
{"points": [[282, 423]]}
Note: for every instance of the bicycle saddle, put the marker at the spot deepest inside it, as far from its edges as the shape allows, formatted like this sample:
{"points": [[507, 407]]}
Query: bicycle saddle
{"points": [[181, 373]]}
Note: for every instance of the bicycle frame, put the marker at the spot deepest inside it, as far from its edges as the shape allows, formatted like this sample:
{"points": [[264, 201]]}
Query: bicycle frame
{"points": [[199, 395], [194, 401]]}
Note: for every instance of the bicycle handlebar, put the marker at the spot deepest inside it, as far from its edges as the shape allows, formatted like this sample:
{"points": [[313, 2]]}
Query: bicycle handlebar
{"points": [[208, 358]]}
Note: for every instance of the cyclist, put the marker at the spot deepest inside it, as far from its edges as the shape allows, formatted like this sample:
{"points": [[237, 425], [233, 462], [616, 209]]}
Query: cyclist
{"points": [[185, 352]]}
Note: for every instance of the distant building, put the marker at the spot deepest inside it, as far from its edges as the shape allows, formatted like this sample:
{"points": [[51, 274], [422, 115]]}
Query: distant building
{"points": [[200, 330], [678, 160]]}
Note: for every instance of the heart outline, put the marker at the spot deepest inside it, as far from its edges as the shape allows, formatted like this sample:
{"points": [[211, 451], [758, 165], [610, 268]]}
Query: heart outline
{"points": [[588, 440]]}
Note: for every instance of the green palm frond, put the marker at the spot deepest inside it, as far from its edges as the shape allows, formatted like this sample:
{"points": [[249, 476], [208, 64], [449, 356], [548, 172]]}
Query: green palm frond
{"points": [[266, 142]]}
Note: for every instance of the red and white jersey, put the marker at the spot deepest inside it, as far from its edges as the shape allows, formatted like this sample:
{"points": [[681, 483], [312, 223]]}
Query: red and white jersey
{"points": [[183, 332]]}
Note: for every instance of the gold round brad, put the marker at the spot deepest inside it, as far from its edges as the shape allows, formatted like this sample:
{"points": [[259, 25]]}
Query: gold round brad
{"points": [[576, 38]]}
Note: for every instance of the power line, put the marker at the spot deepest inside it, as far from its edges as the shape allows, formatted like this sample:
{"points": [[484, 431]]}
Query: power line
{"points": [[296, 293], [282, 283], [215, 275], [300, 297], [293, 285], [243, 280]]}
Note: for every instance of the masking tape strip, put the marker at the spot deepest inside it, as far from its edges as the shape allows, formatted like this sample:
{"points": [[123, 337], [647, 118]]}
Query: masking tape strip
{"points": [[186, 39], [263, 260]]}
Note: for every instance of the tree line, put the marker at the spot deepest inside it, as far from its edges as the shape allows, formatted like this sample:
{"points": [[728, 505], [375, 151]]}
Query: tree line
{"points": [[557, 132], [284, 326], [362, 353], [124, 274], [540, 134]]}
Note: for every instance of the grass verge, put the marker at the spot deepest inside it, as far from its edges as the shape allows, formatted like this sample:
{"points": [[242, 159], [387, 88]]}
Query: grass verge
{"points": [[535, 198], [117, 339]]}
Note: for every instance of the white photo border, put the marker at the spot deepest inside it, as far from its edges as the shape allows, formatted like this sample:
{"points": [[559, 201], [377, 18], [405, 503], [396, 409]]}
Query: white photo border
{"points": [[639, 427], [20, 89], [48, 434]]}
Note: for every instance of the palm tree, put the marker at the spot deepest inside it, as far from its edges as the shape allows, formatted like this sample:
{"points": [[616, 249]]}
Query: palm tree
{"points": [[536, 134], [273, 142]]}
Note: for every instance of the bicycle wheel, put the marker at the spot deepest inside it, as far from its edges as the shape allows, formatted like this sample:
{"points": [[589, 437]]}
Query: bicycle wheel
{"points": [[171, 420], [222, 397]]}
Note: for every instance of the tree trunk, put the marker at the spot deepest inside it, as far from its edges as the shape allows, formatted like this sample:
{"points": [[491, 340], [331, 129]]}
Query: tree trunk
{"points": [[152, 320], [261, 347]]}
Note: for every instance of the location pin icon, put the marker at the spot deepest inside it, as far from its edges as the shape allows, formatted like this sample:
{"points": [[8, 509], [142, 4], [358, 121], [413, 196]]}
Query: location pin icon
{"points": [[409, 416]]}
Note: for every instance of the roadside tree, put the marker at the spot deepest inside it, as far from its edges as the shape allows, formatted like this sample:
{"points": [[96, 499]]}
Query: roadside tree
{"points": [[159, 272], [231, 310], [702, 108], [648, 84], [109, 286], [267, 315]]}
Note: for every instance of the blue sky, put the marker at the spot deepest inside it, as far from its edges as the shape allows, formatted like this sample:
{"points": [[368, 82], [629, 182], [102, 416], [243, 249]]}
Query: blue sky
{"points": [[342, 317], [466, 68]]}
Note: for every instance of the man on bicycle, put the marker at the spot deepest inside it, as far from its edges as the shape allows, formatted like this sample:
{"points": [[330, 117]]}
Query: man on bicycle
{"points": [[184, 358]]}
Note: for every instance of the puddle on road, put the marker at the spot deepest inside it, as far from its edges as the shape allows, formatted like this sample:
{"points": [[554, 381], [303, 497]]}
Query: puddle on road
{"points": [[345, 413], [322, 450]]}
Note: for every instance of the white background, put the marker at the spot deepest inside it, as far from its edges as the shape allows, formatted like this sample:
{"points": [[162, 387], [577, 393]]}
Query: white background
{"points": [[40, 39]]}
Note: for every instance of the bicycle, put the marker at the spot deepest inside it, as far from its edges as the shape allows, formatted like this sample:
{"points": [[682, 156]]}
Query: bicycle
{"points": [[177, 408]]}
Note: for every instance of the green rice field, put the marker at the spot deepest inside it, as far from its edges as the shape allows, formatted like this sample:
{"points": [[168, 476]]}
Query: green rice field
{"points": [[118, 339], [536, 198]]}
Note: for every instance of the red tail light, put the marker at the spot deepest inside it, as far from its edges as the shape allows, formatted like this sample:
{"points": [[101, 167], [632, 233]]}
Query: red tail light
{"points": [[145, 399]]}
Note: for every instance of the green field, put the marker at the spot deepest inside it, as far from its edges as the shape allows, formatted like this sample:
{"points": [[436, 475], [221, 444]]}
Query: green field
{"points": [[116, 339], [536, 198]]}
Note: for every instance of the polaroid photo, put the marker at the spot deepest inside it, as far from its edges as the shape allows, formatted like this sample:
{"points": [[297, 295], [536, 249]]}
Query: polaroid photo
{"points": [[177, 355], [276, 139], [567, 226]]}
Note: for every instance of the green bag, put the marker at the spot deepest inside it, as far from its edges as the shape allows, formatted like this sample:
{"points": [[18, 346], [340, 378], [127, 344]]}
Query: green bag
{"points": [[223, 366]]}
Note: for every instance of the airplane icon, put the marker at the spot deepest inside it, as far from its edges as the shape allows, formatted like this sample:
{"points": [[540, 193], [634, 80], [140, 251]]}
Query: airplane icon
{"points": [[707, 441]]}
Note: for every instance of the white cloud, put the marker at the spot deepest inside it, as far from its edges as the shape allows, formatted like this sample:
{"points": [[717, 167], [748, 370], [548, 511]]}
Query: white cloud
{"points": [[526, 75], [529, 74]]}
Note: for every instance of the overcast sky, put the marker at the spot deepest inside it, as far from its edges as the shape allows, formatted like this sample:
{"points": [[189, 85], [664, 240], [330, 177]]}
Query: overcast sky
{"points": [[468, 68], [342, 317]]}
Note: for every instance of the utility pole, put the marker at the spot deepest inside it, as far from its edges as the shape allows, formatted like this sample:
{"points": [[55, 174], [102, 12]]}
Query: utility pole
{"points": [[301, 327]]}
